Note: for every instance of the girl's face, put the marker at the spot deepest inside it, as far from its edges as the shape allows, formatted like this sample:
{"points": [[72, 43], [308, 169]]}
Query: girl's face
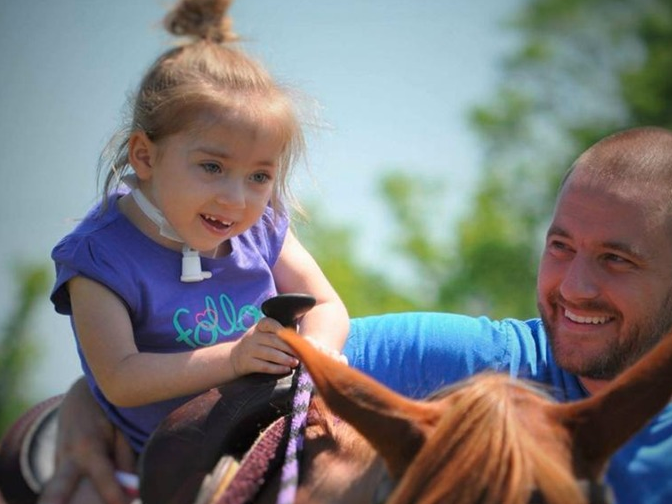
{"points": [[212, 183]]}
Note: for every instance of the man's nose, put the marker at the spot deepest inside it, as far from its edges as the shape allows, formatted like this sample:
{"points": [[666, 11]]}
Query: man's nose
{"points": [[580, 280]]}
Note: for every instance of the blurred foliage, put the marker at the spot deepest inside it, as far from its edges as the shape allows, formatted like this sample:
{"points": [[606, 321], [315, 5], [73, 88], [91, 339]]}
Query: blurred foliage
{"points": [[581, 69], [364, 292], [17, 352]]}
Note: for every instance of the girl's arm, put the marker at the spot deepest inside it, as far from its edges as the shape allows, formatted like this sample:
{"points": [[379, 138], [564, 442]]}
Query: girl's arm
{"points": [[129, 378], [296, 271]]}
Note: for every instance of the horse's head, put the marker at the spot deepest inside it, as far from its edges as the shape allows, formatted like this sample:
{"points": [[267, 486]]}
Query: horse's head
{"points": [[492, 439]]}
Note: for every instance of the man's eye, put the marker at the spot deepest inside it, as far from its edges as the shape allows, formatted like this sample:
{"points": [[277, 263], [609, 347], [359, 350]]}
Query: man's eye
{"points": [[211, 167], [557, 245], [616, 259]]}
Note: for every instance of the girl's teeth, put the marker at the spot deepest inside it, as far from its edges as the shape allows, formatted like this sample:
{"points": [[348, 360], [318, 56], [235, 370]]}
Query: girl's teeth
{"points": [[216, 221]]}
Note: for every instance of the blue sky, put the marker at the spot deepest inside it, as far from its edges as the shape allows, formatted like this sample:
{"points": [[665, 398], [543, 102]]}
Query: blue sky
{"points": [[394, 81]]}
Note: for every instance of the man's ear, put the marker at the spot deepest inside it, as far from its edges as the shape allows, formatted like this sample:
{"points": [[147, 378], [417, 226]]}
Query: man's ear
{"points": [[141, 154]]}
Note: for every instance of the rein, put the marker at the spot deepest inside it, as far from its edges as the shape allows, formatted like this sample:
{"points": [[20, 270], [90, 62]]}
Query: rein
{"points": [[262, 459], [290, 470]]}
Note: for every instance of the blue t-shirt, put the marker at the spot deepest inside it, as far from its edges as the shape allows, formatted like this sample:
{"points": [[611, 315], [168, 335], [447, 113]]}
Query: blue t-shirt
{"points": [[167, 314], [417, 353]]}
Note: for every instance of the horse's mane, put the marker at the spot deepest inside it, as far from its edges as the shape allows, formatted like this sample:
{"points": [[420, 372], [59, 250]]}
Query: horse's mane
{"points": [[330, 426], [486, 449]]}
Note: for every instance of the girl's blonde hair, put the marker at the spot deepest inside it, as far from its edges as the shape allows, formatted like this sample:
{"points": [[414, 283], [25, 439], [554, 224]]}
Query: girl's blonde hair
{"points": [[206, 74]]}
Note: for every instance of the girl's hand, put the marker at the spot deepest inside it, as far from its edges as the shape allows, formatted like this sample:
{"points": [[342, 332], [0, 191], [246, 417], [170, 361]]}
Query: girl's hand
{"points": [[260, 350]]}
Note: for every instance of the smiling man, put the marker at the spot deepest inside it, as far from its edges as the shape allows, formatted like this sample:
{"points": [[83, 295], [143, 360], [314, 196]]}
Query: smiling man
{"points": [[605, 278]]}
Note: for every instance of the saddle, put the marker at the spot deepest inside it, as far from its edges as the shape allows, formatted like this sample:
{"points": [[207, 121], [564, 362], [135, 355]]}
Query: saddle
{"points": [[181, 452], [27, 452], [189, 443]]}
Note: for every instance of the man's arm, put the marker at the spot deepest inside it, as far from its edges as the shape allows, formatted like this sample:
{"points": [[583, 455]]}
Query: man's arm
{"points": [[89, 449]]}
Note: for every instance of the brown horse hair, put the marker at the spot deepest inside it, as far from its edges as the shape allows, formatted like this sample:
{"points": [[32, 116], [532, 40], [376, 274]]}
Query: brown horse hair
{"points": [[322, 416], [486, 455]]}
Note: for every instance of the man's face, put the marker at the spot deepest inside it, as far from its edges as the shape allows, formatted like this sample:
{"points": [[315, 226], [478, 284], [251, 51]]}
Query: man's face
{"points": [[604, 288]]}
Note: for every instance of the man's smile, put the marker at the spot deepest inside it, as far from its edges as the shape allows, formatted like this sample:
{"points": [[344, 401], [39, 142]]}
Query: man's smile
{"points": [[579, 319]]}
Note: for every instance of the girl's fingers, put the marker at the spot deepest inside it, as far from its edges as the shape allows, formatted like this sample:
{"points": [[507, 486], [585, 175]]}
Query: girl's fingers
{"points": [[276, 356], [268, 325]]}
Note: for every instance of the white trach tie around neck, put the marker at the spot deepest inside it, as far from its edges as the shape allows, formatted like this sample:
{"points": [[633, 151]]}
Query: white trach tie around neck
{"points": [[191, 261], [152, 213]]}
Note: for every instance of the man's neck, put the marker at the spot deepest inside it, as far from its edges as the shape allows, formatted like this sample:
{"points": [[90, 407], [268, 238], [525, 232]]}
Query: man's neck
{"points": [[592, 386]]}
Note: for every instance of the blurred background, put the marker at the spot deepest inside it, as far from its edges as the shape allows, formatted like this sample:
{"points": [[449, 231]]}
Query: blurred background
{"points": [[441, 131]]}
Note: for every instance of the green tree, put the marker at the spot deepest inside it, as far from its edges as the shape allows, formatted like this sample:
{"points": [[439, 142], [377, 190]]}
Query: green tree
{"points": [[582, 69], [17, 354], [363, 291]]}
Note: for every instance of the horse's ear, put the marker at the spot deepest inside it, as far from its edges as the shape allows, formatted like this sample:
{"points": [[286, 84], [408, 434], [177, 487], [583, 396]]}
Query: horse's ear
{"points": [[394, 425], [601, 424]]}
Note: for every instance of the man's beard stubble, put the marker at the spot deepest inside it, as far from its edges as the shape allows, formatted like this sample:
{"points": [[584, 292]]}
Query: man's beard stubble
{"points": [[617, 358]]}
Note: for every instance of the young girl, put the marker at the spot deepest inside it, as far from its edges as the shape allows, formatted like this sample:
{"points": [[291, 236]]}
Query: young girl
{"points": [[164, 283]]}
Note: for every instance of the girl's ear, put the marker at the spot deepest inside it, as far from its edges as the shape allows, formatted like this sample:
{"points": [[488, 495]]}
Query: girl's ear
{"points": [[141, 154]]}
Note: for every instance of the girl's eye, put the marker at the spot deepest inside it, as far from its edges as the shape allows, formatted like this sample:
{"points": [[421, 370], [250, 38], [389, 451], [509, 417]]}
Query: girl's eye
{"points": [[260, 178], [211, 167]]}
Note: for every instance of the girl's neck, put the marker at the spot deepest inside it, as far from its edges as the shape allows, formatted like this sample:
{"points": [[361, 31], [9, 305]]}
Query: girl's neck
{"points": [[130, 209]]}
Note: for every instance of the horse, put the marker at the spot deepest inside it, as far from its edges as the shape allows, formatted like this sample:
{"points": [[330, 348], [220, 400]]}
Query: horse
{"points": [[490, 439]]}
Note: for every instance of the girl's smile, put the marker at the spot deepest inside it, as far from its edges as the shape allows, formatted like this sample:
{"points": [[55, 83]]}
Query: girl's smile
{"points": [[216, 225]]}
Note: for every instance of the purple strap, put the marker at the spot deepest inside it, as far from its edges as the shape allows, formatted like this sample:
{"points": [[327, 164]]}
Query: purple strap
{"points": [[258, 461], [290, 469]]}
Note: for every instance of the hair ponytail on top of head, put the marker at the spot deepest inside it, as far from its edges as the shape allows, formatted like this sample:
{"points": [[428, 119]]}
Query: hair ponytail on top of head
{"points": [[201, 19]]}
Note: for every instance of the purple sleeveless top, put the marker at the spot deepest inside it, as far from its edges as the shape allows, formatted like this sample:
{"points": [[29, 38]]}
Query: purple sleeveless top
{"points": [[167, 314]]}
